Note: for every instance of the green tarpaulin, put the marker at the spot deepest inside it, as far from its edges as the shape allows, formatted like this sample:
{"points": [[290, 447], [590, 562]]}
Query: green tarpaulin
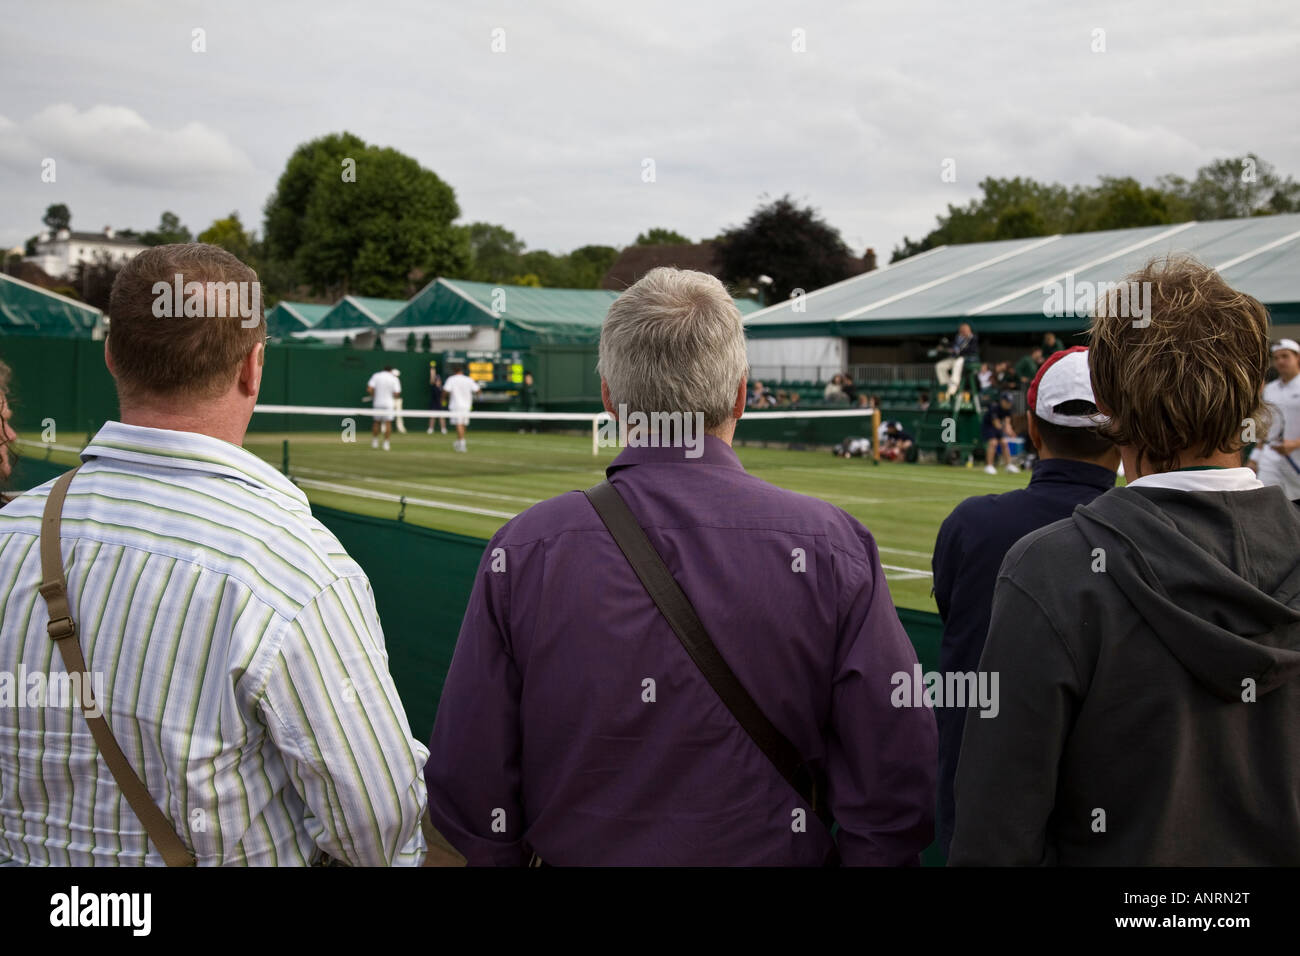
{"points": [[26, 309]]}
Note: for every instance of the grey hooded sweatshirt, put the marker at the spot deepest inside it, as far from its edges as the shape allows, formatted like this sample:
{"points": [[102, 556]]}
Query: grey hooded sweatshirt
{"points": [[1148, 652]]}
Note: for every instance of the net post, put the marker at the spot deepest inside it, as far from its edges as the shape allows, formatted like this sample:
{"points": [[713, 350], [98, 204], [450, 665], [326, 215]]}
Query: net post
{"points": [[875, 434]]}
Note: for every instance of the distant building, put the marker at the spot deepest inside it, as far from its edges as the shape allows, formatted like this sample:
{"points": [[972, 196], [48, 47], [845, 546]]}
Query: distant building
{"points": [[59, 254]]}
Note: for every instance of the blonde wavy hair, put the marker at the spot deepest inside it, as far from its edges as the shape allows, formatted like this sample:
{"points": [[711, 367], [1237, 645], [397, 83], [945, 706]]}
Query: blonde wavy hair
{"points": [[1187, 377]]}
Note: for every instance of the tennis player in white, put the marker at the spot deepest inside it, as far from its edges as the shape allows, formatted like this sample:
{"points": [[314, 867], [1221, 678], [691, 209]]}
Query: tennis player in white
{"points": [[1277, 459], [460, 389], [383, 388]]}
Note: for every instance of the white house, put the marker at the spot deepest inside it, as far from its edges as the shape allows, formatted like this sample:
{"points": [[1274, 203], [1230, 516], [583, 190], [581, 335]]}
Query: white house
{"points": [[59, 254]]}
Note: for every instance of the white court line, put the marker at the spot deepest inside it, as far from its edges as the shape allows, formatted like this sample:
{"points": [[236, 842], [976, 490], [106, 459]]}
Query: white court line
{"points": [[914, 554], [418, 485], [964, 482], [914, 572], [396, 499]]}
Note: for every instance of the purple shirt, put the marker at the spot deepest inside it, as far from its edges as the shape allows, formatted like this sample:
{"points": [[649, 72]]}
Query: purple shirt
{"points": [[574, 725]]}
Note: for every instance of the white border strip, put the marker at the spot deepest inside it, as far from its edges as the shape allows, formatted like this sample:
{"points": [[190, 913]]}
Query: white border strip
{"points": [[1101, 260], [1255, 252], [889, 300]]}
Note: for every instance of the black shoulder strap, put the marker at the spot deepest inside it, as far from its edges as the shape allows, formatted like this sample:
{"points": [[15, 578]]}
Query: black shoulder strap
{"points": [[681, 616]]}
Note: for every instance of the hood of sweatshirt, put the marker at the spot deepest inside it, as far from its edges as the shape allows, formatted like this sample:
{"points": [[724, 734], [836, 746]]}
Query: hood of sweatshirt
{"points": [[1215, 574]]}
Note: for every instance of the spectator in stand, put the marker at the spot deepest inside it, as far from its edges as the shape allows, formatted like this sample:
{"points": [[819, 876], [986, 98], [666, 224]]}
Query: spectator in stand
{"points": [[986, 378], [834, 391], [923, 400], [948, 369], [1051, 345], [754, 398], [995, 429], [794, 400], [1149, 644], [864, 400], [782, 398], [1076, 465], [1004, 378], [849, 389], [1028, 367]]}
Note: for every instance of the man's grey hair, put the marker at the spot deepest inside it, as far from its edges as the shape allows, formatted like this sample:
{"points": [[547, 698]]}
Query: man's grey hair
{"points": [[674, 342]]}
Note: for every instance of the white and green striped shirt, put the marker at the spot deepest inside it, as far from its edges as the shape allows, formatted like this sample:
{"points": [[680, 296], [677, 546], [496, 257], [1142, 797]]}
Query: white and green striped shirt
{"points": [[243, 666]]}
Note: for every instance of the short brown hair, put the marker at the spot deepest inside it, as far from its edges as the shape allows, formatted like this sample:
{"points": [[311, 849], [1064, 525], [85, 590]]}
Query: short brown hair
{"points": [[1189, 380], [178, 355]]}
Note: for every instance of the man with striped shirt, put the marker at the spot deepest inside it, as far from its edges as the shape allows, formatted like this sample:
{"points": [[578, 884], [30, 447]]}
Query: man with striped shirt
{"points": [[242, 662]]}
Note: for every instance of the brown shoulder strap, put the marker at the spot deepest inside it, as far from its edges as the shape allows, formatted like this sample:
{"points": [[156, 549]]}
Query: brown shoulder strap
{"points": [[63, 632]]}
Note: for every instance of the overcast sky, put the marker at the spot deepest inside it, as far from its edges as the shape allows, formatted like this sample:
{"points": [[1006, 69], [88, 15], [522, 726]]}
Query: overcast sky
{"points": [[549, 137]]}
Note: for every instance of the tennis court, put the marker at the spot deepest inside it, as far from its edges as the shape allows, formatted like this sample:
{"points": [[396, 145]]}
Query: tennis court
{"points": [[425, 483]]}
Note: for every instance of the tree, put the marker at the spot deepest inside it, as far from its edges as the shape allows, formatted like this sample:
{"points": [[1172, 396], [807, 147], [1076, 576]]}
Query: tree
{"points": [[285, 212], [1015, 208], [170, 229], [410, 341], [369, 216], [588, 265], [229, 234], [426, 343], [57, 217], [790, 244], [1234, 188], [379, 342], [93, 279], [494, 252], [661, 237]]}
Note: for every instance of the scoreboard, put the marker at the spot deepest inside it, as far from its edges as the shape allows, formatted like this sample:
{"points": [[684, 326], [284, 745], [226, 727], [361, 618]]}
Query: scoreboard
{"points": [[487, 368]]}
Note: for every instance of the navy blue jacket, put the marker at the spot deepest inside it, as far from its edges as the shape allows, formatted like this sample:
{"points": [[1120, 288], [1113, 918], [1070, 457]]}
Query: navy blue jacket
{"points": [[972, 542]]}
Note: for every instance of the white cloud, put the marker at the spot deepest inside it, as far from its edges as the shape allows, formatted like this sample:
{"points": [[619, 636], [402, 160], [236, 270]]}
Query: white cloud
{"points": [[120, 147]]}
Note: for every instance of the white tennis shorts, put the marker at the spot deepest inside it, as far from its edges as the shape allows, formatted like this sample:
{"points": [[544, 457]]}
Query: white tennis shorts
{"points": [[384, 413]]}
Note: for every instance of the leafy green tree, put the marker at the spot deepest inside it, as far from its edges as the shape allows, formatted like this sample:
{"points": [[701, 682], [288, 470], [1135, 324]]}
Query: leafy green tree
{"points": [[426, 343], [353, 218], [410, 341], [229, 234], [792, 245], [285, 212], [57, 217], [661, 237], [494, 252], [530, 279], [366, 236], [588, 265], [170, 229], [1235, 187]]}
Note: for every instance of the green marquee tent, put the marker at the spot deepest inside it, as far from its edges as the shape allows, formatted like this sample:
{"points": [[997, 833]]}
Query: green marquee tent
{"points": [[289, 317], [359, 312], [27, 309], [525, 315]]}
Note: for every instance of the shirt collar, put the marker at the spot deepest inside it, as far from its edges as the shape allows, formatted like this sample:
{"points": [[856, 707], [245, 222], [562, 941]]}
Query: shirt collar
{"points": [[1222, 479], [189, 451], [715, 451], [1072, 471]]}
